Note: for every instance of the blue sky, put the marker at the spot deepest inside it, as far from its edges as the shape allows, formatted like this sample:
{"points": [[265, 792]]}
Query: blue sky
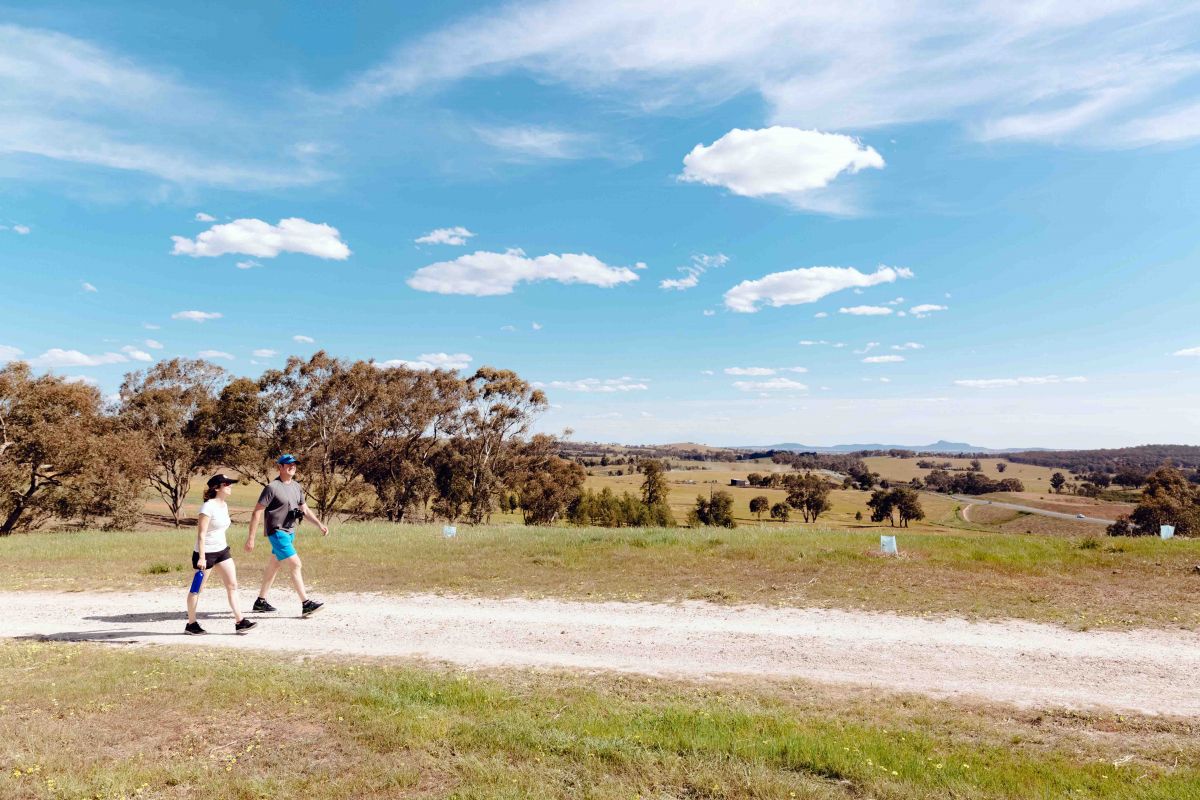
{"points": [[963, 221]]}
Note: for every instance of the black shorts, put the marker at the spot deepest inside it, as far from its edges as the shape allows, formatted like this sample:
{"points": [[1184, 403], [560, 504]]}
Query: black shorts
{"points": [[211, 559]]}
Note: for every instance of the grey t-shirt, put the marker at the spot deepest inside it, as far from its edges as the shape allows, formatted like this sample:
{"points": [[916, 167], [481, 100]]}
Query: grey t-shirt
{"points": [[280, 500]]}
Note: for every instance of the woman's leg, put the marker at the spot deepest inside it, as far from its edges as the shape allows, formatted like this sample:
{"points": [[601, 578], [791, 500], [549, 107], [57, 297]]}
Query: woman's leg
{"points": [[228, 573], [193, 599]]}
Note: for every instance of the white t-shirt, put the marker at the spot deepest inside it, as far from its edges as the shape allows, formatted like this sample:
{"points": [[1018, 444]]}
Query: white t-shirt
{"points": [[218, 522]]}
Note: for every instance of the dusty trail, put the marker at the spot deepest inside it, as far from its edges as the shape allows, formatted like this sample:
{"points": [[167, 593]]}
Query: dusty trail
{"points": [[1027, 664]]}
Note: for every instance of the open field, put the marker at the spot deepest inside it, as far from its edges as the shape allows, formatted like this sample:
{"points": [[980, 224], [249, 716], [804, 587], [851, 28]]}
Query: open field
{"points": [[89, 721], [905, 469], [1080, 582], [685, 486], [1066, 503]]}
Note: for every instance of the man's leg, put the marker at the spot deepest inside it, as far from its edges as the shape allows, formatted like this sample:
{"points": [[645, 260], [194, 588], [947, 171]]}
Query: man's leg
{"points": [[293, 564], [268, 578]]}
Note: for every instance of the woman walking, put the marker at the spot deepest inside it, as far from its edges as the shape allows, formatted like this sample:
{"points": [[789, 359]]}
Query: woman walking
{"points": [[211, 554]]}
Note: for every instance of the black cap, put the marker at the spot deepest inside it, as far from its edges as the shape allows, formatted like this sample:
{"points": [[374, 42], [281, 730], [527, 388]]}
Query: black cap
{"points": [[220, 480]]}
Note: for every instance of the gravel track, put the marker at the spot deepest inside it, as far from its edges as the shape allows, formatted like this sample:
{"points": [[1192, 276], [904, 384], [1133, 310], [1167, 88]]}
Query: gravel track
{"points": [[1026, 664]]}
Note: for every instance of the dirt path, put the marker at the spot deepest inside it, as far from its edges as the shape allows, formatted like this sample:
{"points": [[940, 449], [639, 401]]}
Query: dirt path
{"points": [[1015, 662]]}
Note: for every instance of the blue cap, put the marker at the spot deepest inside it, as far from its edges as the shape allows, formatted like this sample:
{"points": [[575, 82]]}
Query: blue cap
{"points": [[286, 458]]}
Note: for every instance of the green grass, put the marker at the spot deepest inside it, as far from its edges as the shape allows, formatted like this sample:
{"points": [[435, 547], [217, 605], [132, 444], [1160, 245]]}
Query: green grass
{"points": [[1121, 583], [86, 721]]}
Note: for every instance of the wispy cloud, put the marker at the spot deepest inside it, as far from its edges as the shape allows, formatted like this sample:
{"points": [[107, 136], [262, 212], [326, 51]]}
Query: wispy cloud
{"points": [[866, 311], [924, 310], [597, 385], [457, 235], [87, 287], [485, 274], [136, 354], [265, 352], [196, 316], [76, 103], [216, 354], [1004, 383], [773, 385], [700, 264], [153, 344], [805, 285], [882, 359], [1188, 351], [202, 217], [431, 361], [302, 339], [58, 358], [1094, 73]]}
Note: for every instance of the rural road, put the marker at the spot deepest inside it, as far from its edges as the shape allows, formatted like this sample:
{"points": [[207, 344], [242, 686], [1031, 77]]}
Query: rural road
{"points": [[1040, 511], [1027, 664]]}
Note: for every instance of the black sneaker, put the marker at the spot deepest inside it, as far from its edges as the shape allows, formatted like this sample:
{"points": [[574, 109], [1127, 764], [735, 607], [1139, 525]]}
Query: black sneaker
{"points": [[244, 626], [263, 607], [310, 607], [194, 629]]}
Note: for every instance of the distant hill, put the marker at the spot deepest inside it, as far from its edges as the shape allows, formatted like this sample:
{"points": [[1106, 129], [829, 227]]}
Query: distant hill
{"points": [[940, 446], [1142, 458]]}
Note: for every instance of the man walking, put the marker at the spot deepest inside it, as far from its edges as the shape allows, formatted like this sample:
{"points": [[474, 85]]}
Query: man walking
{"points": [[282, 501]]}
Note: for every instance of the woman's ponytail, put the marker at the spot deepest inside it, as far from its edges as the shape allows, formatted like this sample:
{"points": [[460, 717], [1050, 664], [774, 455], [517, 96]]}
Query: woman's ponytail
{"points": [[210, 493]]}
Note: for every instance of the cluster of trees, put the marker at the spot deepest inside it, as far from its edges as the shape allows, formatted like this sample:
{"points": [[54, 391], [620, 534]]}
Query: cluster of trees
{"points": [[608, 509], [900, 502], [1143, 459], [1168, 499], [939, 480], [391, 442]]}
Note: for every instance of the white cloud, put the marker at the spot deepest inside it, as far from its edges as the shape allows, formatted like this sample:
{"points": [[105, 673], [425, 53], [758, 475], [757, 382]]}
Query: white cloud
{"points": [[1188, 351], [811, 342], [1082, 73], [537, 326], [1002, 383], [23, 230], [196, 316], [926, 309], [908, 346], [868, 347], [793, 369], [882, 359], [708, 312], [253, 237], [773, 385], [457, 235], [9, 353], [895, 302], [249, 263], [866, 311], [265, 352], [702, 372], [87, 287], [153, 344], [150, 326], [700, 264], [805, 285], [57, 358], [484, 274], [508, 328], [821, 315], [301, 339], [749, 371], [431, 361], [202, 217], [84, 379], [597, 385], [777, 162], [215, 354], [136, 354]]}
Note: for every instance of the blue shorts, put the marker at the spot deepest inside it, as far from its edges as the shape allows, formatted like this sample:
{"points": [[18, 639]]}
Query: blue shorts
{"points": [[281, 544]]}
